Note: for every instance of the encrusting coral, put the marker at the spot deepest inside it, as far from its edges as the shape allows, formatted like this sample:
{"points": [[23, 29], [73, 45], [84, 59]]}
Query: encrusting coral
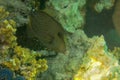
{"points": [[103, 4], [20, 60], [6, 73], [70, 13], [25, 61], [18, 10], [99, 63], [116, 53], [7, 31]]}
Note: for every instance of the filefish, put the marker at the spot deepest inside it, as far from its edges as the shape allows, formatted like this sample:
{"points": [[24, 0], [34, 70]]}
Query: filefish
{"points": [[47, 30], [116, 16]]}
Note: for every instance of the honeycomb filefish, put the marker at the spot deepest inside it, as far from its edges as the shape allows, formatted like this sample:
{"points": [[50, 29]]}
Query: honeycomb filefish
{"points": [[47, 30]]}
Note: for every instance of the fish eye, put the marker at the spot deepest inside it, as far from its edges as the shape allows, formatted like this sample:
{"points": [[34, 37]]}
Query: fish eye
{"points": [[60, 34], [65, 6]]}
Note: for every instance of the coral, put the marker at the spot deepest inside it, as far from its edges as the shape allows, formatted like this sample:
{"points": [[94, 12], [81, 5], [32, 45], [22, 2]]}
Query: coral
{"points": [[70, 13], [99, 63], [6, 74], [26, 57], [3, 13], [19, 78], [7, 31], [64, 66], [18, 59], [104, 4], [116, 53], [25, 62], [18, 10]]}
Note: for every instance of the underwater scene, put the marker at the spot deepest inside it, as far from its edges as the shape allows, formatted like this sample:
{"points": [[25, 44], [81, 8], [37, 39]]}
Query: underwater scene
{"points": [[59, 39]]}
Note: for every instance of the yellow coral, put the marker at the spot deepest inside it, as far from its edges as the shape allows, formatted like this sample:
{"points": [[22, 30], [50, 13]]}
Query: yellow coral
{"points": [[13, 64], [7, 37], [98, 63], [116, 52], [16, 57], [28, 60], [25, 61], [3, 13]]}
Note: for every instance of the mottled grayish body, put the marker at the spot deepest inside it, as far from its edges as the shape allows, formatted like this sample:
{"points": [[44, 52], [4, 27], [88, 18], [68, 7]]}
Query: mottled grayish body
{"points": [[47, 30]]}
